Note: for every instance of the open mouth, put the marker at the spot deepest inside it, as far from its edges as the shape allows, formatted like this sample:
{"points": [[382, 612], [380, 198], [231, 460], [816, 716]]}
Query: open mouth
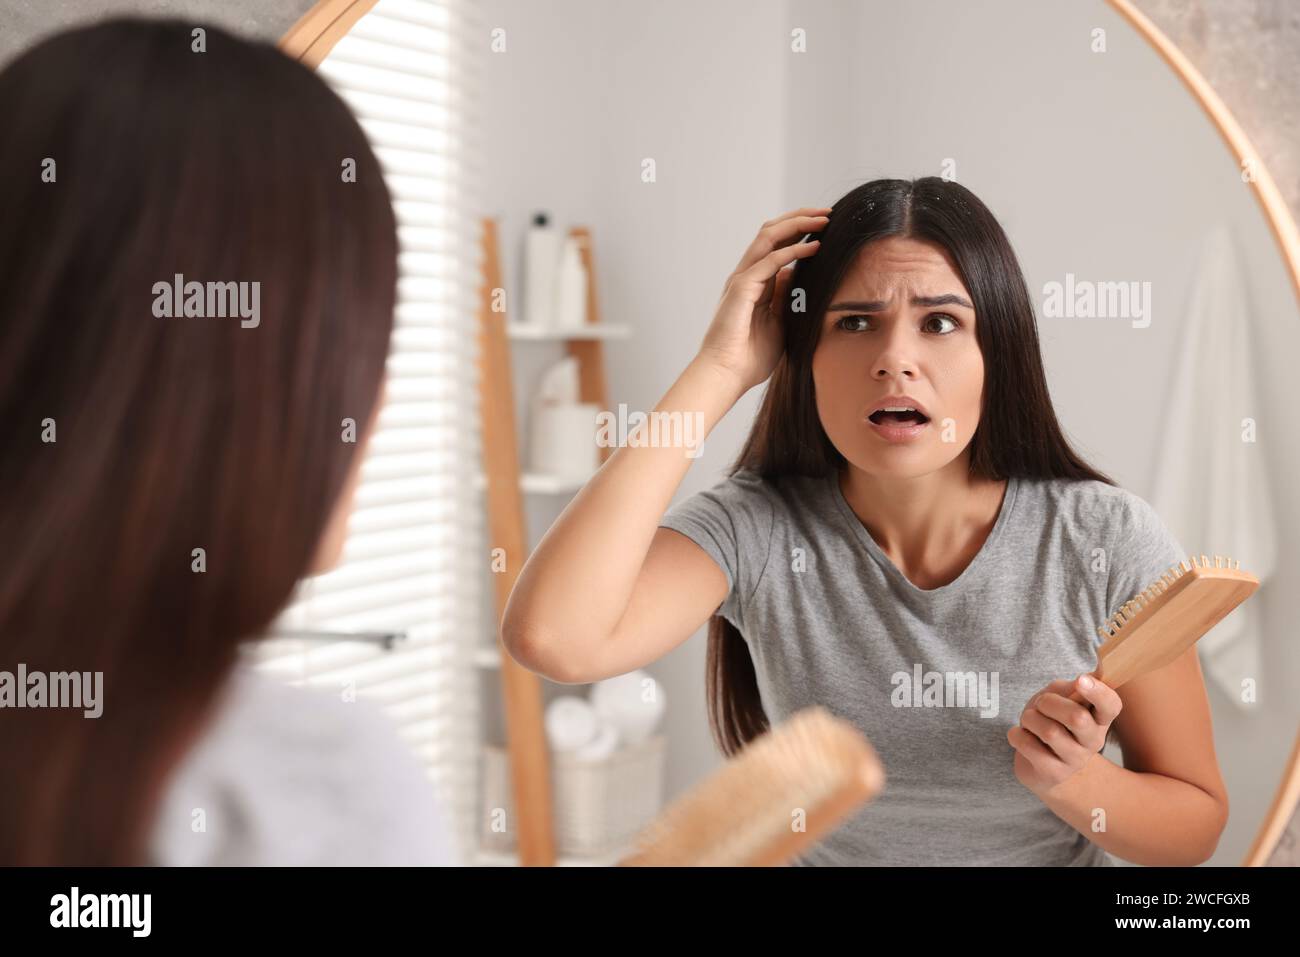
{"points": [[910, 417]]}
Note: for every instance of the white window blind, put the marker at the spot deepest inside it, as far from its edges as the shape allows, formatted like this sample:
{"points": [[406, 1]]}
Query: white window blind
{"points": [[413, 560]]}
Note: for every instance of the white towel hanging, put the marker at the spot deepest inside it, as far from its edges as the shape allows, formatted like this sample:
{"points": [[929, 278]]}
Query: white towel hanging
{"points": [[1211, 486]]}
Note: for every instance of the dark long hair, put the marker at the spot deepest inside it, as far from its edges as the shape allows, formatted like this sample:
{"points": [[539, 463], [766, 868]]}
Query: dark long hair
{"points": [[1017, 435], [130, 440]]}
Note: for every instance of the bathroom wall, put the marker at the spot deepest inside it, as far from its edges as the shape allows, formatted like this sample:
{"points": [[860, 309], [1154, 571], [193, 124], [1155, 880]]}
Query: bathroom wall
{"points": [[1249, 51]]}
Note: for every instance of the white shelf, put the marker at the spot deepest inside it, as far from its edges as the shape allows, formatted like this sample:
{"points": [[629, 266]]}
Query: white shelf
{"points": [[487, 658], [594, 330]]}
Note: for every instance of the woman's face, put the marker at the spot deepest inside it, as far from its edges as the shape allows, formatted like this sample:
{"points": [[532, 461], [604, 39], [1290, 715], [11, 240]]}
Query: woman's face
{"points": [[901, 322]]}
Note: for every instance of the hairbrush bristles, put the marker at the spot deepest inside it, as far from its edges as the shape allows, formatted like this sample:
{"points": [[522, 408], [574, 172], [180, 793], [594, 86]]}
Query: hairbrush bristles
{"points": [[1130, 609], [1170, 615], [783, 791]]}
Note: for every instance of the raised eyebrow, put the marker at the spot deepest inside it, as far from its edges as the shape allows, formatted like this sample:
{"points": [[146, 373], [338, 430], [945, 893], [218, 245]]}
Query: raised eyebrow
{"points": [[876, 305]]}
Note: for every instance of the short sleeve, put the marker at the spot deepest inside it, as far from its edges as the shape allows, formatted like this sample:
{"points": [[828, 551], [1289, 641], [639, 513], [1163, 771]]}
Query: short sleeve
{"points": [[1142, 549], [732, 522]]}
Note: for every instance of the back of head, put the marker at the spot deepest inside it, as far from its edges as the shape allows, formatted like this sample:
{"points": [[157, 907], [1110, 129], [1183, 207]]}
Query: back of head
{"points": [[166, 480]]}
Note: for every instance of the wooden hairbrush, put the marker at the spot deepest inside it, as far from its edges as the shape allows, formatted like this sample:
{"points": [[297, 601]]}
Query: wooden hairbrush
{"points": [[1167, 617], [746, 814]]}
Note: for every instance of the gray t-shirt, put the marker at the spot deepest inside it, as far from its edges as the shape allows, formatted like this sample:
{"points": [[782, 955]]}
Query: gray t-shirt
{"points": [[829, 619]]}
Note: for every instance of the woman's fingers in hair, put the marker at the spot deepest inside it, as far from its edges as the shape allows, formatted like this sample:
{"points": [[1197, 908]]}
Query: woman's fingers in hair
{"points": [[758, 280], [781, 289], [782, 231], [815, 211]]}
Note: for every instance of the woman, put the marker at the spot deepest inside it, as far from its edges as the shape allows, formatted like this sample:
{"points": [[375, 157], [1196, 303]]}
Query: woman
{"points": [[906, 539], [167, 481]]}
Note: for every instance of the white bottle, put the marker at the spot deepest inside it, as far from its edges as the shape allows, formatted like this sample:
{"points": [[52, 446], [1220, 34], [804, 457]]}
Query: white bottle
{"points": [[571, 287], [541, 259]]}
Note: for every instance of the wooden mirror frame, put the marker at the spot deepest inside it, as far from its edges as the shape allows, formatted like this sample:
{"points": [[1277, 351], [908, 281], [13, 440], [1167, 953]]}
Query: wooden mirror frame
{"points": [[310, 40]]}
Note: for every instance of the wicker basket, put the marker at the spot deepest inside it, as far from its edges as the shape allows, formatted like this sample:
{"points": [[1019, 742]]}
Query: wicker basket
{"points": [[599, 806]]}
